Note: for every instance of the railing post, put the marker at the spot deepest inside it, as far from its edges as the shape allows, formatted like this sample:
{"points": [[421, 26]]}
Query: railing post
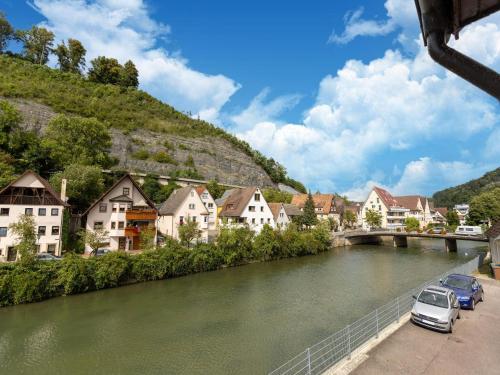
{"points": [[349, 341], [308, 361], [397, 303], [376, 318]]}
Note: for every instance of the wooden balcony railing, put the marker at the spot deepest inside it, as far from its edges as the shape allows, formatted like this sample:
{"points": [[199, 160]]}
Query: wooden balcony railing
{"points": [[136, 214], [136, 231]]}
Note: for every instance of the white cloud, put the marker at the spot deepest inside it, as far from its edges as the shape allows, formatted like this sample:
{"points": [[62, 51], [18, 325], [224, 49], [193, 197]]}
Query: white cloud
{"points": [[492, 149], [260, 111], [394, 102], [124, 29]]}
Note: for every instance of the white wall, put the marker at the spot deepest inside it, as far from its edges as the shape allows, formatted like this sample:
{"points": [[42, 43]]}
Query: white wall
{"points": [[282, 220], [211, 207]]}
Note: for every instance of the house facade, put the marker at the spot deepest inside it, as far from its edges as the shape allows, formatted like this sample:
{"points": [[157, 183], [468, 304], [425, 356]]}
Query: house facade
{"points": [[183, 205], [210, 205], [280, 216], [124, 211], [325, 205], [439, 215], [419, 208], [381, 201], [32, 195], [246, 206]]}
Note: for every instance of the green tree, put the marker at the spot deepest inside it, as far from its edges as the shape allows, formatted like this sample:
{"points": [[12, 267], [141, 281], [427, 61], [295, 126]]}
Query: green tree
{"points": [[7, 171], [95, 239], [267, 244], [452, 218], [215, 189], [189, 162], [189, 232], [37, 44], [485, 207], [77, 140], [85, 183], [25, 231], [309, 218], [147, 239], [276, 196], [349, 218], [412, 224], [151, 187], [373, 218], [129, 75], [10, 119], [71, 58], [105, 70], [6, 32], [236, 244]]}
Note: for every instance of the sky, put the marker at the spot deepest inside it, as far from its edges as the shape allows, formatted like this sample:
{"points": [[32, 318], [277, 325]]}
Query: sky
{"points": [[343, 94]]}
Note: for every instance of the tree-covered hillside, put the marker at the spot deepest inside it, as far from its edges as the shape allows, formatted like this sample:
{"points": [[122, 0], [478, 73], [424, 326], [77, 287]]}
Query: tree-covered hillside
{"points": [[466, 192]]}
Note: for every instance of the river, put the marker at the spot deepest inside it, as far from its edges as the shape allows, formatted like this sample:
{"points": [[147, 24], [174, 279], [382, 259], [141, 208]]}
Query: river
{"points": [[244, 320]]}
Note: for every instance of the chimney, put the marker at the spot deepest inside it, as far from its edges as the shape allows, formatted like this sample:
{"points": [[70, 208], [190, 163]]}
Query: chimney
{"points": [[63, 190]]}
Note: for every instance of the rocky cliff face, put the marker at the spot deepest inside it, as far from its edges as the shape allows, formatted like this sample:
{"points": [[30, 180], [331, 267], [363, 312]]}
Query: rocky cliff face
{"points": [[214, 158]]}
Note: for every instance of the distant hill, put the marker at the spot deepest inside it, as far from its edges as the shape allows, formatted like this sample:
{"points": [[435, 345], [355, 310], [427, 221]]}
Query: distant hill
{"points": [[465, 192], [141, 126]]}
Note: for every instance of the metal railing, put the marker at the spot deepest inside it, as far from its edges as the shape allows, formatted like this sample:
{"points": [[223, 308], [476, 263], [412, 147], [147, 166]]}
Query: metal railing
{"points": [[328, 352]]}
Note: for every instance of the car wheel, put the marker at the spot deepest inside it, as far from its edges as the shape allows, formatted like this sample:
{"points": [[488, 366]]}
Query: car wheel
{"points": [[482, 296], [473, 304]]}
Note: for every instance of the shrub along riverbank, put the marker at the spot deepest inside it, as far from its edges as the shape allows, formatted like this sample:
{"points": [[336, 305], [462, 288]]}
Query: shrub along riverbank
{"points": [[35, 281]]}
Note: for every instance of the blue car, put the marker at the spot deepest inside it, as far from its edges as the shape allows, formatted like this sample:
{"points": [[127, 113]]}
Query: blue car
{"points": [[466, 288]]}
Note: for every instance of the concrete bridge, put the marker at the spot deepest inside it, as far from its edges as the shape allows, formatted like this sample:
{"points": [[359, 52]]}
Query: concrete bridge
{"points": [[400, 239]]}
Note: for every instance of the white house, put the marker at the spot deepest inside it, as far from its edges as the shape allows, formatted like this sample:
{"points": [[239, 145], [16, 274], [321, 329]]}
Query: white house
{"points": [[210, 205], [246, 206], [30, 194], [419, 208], [462, 211], [281, 218], [183, 204], [381, 201], [124, 211]]}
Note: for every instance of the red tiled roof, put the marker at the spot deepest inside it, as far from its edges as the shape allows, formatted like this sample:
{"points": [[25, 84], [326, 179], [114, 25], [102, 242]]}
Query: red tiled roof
{"points": [[411, 201], [275, 209], [323, 201], [442, 210], [386, 197]]}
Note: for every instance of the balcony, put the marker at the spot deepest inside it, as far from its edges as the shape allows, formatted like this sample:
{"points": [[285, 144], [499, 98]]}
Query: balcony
{"points": [[136, 231], [137, 214]]}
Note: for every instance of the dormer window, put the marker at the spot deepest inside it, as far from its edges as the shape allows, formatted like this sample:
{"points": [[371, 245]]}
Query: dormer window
{"points": [[126, 191]]}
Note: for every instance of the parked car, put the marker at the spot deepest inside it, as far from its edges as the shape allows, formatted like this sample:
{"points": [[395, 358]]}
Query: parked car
{"points": [[101, 252], [437, 230], [466, 288], [437, 308], [46, 257], [469, 230]]}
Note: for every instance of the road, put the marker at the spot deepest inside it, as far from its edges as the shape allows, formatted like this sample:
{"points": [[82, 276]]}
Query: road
{"points": [[473, 348]]}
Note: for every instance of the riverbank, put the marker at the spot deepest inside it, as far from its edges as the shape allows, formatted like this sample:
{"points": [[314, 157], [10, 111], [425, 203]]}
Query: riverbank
{"points": [[32, 281]]}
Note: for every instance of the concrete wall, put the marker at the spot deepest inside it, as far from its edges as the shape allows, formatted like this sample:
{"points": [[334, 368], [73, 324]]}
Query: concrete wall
{"points": [[495, 249]]}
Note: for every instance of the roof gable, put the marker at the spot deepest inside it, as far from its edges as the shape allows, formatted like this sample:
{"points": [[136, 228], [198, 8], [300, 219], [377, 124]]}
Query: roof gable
{"points": [[176, 199], [237, 201], [386, 197], [276, 209]]}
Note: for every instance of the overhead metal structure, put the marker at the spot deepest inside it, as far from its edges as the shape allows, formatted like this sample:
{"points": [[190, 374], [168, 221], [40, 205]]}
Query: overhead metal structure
{"points": [[439, 19]]}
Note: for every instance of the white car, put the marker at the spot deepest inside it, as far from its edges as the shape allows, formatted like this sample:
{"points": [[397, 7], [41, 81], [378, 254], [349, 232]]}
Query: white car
{"points": [[437, 308], [469, 230]]}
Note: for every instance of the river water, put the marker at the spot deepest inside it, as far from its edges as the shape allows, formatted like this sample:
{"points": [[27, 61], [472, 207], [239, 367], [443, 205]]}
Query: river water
{"points": [[245, 320]]}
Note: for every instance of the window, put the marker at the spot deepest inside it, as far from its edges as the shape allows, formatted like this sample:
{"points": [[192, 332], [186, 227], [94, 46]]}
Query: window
{"points": [[55, 230], [251, 208], [269, 221], [191, 206], [262, 220], [253, 221], [103, 207], [204, 196], [115, 208], [122, 208], [54, 212], [193, 219], [379, 207], [257, 197], [210, 205], [98, 225], [28, 211], [181, 220], [262, 209], [51, 249], [192, 193], [3, 231], [281, 214], [42, 212], [378, 200], [126, 191], [42, 230], [113, 225], [4, 211], [206, 219], [121, 224]]}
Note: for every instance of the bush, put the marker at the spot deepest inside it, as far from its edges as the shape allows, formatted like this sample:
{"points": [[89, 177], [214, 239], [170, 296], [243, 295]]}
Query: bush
{"points": [[111, 269], [163, 157], [141, 154], [205, 257], [235, 245], [75, 274]]}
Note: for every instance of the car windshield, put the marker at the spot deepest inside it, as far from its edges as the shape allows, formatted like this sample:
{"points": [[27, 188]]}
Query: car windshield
{"points": [[455, 282], [433, 299]]}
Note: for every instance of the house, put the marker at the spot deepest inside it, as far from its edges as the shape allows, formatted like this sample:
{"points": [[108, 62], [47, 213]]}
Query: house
{"points": [[419, 208], [124, 211], [280, 216], [30, 194], [462, 211], [325, 205], [381, 201], [183, 205], [439, 215], [210, 205], [246, 206], [355, 208], [292, 211]]}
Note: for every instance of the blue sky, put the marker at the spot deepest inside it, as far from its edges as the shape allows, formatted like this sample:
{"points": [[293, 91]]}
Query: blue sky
{"points": [[341, 93]]}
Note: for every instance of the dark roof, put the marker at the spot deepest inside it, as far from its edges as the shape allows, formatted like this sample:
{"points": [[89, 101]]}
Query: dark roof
{"points": [[220, 201], [136, 185], [237, 201], [275, 209], [175, 200], [411, 201], [121, 198], [292, 210], [43, 181], [494, 231], [442, 210], [386, 197]]}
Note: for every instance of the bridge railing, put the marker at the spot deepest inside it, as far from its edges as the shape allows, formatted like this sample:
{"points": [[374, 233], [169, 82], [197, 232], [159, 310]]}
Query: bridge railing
{"points": [[321, 356]]}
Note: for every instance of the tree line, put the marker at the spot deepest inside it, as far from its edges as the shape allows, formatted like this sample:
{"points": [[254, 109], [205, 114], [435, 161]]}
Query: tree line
{"points": [[38, 45]]}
